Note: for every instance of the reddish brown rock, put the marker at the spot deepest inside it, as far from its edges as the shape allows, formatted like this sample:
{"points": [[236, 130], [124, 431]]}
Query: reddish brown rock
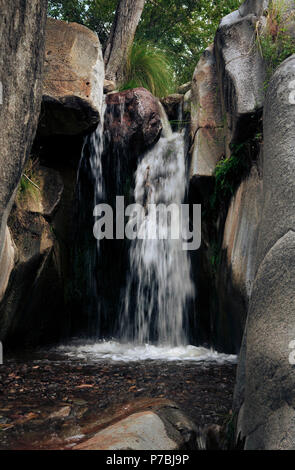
{"points": [[133, 120]]}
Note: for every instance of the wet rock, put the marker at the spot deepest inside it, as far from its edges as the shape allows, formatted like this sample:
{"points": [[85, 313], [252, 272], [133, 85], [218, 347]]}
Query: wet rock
{"points": [[173, 106], [74, 79], [132, 120]]}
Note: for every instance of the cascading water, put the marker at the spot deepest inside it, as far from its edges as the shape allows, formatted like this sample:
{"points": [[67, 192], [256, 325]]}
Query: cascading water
{"points": [[159, 284], [152, 315]]}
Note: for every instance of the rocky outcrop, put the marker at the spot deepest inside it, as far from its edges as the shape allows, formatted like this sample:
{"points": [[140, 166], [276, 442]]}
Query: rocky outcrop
{"points": [[237, 268], [74, 79], [227, 98], [241, 71], [34, 292], [206, 118], [265, 396], [132, 120], [21, 64], [164, 428], [253, 7]]}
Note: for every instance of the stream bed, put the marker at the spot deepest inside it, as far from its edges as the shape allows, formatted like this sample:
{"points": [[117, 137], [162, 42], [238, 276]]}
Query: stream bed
{"points": [[51, 399]]}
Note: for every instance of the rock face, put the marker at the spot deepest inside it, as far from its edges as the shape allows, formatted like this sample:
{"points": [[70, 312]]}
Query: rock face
{"points": [[241, 72], [226, 107], [206, 117], [21, 64], [265, 385], [173, 106], [237, 267], [45, 196], [132, 120], [30, 305], [166, 428], [74, 79], [253, 7]]}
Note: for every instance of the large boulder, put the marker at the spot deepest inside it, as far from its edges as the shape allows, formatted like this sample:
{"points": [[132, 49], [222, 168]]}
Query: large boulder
{"points": [[132, 120], [265, 398], [255, 7], [241, 73], [206, 117], [164, 428], [74, 79], [22, 32], [237, 268]]}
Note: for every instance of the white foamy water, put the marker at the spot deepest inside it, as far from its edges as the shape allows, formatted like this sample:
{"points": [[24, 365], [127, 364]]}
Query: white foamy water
{"points": [[128, 352], [159, 285]]}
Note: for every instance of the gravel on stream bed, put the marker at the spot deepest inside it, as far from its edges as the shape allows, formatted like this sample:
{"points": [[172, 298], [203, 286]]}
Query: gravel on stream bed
{"points": [[52, 394]]}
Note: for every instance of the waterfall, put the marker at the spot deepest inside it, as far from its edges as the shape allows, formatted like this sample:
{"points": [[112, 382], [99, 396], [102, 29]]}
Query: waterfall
{"points": [[149, 321], [159, 283]]}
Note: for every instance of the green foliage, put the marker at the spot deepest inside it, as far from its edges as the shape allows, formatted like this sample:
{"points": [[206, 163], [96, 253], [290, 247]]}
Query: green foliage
{"points": [[149, 67], [215, 256], [228, 175], [28, 186], [182, 29], [274, 41]]}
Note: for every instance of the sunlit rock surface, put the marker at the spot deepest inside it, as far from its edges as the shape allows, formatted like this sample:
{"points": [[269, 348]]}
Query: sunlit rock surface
{"points": [[74, 79], [207, 131]]}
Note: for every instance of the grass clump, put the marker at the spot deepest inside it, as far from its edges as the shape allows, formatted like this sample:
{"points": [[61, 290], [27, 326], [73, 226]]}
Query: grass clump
{"points": [[28, 186], [273, 39], [150, 68]]}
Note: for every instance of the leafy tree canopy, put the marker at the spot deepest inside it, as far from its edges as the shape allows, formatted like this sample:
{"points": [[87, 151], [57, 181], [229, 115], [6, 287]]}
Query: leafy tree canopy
{"points": [[180, 28]]}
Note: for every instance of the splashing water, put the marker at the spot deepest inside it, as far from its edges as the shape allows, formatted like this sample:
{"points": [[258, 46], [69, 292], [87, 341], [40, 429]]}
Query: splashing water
{"points": [[128, 352], [159, 284]]}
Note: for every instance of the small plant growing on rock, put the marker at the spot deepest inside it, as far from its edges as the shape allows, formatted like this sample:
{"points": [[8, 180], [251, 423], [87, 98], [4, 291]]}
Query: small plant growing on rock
{"points": [[28, 186], [274, 39]]}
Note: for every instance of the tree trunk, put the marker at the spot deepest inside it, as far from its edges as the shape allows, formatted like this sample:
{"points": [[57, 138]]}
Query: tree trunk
{"points": [[121, 38]]}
